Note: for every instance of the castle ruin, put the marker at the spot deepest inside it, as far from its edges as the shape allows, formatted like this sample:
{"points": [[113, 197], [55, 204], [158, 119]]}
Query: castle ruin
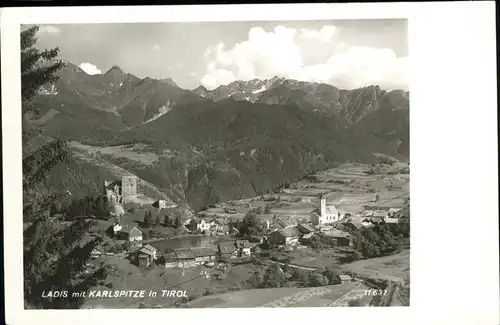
{"points": [[121, 191]]}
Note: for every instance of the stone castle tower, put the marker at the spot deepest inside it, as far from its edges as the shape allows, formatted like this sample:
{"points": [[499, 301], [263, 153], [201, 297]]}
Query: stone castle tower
{"points": [[129, 186], [120, 191]]}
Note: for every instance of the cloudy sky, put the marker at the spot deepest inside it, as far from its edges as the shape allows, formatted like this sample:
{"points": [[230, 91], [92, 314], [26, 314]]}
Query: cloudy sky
{"points": [[346, 53]]}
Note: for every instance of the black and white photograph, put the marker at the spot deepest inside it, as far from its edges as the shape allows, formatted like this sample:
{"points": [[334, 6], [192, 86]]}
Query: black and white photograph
{"points": [[231, 164], [217, 164]]}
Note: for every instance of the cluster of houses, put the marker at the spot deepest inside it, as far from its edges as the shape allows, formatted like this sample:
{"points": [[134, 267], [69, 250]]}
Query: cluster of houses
{"points": [[215, 226], [293, 235], [193, 256], [329, 222]]}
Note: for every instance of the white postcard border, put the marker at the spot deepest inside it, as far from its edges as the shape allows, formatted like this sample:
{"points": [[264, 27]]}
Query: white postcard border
{"points": [[454, 254]]}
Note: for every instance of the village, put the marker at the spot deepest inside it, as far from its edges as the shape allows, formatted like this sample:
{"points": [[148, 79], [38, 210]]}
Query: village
{"points": [[211, 244]]}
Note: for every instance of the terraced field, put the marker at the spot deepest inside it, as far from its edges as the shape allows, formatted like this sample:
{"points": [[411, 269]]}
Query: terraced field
{"points": [[350, 187]]}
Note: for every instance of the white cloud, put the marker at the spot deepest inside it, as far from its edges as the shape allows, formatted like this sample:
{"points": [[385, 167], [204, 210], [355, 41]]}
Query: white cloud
{"points": [[48, 29], [156, 47], [281, 53], [89, 68], [325, 34]]}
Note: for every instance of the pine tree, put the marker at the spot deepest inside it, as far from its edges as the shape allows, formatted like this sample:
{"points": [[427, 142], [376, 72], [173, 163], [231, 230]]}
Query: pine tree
{"points": [[54, 255], [148, 219], [158, 221], [178, 222], [167, 221]]}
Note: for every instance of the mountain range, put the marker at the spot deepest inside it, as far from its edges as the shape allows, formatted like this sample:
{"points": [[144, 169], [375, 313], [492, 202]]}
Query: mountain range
{"points": [[237, 140]]}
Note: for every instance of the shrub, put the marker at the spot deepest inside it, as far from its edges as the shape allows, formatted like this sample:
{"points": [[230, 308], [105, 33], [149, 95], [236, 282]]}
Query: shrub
{"points": [[354, 302], [331, 275], [316, 279]]}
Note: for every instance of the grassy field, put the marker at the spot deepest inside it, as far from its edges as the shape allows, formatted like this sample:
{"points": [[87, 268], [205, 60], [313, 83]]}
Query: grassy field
{"points": [[392, 267], [276, 297], [137, 152], [314, 258], [127, 276]]}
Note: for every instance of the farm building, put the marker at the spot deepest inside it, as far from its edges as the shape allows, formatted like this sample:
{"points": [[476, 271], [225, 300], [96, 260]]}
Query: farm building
{"points": [[185, 257], [341, 238], [169, 260], [146, 255], [226, 250], [344, 278], [204, 254], [350, 225], [287, 236]]}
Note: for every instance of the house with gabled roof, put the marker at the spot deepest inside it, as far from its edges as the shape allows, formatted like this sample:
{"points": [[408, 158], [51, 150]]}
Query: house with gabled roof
{"points": [[341, 238], [132, 235], [185, 257], [204, 254], [216, 225], [227, 250], [287, 236], [146, 256]]}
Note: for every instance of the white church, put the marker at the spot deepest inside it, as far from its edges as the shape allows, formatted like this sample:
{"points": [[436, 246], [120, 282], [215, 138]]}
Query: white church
{"points": [[325, 214]]}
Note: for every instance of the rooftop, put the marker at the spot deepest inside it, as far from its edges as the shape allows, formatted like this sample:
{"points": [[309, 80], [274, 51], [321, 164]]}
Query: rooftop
{"points": [[226, 248], [147, 251], [306, 227], [129, 230], [184, 253], [151, 248], [282, 222], [309, 235], [203, 251], [216, 221], [244, 244], [290, 232]]}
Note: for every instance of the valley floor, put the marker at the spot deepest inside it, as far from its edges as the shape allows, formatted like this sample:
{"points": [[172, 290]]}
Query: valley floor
{"points": [[352, 188]]}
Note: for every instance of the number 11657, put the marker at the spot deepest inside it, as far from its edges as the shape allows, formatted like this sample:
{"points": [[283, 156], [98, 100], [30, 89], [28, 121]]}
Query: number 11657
{"points": [[375, 292]]}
